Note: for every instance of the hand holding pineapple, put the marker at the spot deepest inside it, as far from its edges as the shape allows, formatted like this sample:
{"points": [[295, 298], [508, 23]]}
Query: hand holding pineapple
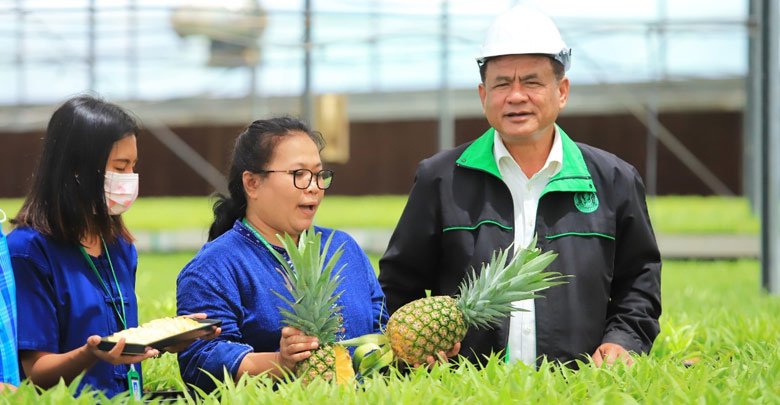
{"points": [[312, 282], [441, 356], [294, 347], [427, 326]]}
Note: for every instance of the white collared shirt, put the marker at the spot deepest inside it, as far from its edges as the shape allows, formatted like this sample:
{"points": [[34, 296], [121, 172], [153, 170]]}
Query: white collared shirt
{"points": [[525, 200]]}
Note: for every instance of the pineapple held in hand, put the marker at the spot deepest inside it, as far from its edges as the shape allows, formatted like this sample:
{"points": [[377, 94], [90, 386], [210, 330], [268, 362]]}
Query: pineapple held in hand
{"points": [[312, 283], [426, 326]]}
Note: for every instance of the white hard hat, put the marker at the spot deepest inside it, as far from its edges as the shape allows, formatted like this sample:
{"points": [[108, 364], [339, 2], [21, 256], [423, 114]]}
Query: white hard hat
{"points": [[524, 30]]}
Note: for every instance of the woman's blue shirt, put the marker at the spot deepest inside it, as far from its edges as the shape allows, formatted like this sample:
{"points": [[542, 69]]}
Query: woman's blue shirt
{"points": [[61, 302], [233, 277]]}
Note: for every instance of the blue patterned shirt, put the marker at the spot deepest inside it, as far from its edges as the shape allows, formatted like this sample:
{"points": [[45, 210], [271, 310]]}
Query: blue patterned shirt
{"points": [[233, 278], [9, 362]]}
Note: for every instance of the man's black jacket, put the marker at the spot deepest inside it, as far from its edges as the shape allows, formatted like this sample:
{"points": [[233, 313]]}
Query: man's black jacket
{"points": [[592, 213]]}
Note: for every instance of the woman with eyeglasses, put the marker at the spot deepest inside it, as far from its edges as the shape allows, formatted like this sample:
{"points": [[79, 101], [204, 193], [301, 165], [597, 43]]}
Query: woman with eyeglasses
{"points": [[276, 184]]}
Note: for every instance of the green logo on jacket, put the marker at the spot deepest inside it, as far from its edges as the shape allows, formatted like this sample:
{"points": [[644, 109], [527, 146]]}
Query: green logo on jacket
{"points": [[586, 202]]}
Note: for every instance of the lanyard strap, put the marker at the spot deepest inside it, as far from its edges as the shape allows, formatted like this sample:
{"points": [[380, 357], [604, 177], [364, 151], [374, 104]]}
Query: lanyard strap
{"points": [[257, 234], [122, 316], [262, 239]]}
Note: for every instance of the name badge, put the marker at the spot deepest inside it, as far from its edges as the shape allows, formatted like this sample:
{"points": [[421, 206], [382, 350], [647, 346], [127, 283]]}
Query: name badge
{"points": [[134, 383]]}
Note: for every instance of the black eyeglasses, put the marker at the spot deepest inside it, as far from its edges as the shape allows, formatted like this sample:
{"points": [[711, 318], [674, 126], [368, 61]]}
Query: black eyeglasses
{"points": [[302, 177]]}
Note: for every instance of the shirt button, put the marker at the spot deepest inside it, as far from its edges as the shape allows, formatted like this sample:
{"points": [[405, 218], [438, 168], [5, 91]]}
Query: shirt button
{"points": [[526, 331]]}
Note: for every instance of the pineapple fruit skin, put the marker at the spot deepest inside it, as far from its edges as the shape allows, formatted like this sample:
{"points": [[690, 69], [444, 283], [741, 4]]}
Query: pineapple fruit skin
{"points": [[330, 363], [321, 364], [425, 327]]}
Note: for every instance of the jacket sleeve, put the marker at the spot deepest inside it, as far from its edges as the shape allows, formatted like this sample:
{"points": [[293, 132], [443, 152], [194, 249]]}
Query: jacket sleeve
{"points": [[411, 260], [635, 297], [202, 290]]}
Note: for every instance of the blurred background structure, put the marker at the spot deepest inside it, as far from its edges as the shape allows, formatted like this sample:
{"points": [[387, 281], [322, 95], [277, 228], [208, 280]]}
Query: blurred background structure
{"points": [[397, 78], [686, 91]]}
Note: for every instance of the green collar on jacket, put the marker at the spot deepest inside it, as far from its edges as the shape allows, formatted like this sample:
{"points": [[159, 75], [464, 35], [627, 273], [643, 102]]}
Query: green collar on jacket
{"points": [[573, 176]]}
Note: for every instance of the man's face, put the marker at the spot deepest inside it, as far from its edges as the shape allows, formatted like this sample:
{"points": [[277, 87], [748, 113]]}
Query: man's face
{"points": [[521, 98]]}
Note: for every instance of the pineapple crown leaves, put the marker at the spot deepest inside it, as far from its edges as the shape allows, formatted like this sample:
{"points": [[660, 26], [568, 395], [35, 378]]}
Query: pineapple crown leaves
{"points": [[486, 298], [312, 281]]}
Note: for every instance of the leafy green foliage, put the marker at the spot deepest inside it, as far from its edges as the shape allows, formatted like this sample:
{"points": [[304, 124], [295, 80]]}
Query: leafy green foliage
{"points": [[713, 311], [487, 298], [312, 281]]}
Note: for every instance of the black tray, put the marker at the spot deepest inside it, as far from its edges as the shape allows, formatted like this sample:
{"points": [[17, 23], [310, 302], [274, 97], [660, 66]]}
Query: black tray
{"points": [[163, 397], [134, 348]]}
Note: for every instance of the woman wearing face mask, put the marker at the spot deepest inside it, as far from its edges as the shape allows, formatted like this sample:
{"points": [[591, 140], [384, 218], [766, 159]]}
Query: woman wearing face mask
{"points": [[73, 259], [276, 184]]}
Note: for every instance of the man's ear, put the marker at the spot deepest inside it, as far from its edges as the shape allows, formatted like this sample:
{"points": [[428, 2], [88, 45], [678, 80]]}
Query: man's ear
{"points": [[563, 90], [482, 95]]}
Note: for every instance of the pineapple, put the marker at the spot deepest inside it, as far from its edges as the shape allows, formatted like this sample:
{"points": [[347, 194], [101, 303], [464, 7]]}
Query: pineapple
{"points": [[312, 283], [429, 325]]}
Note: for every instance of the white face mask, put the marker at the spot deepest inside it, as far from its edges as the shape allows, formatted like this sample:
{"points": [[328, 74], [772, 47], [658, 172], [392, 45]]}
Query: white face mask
{"points": [[121, 191]]}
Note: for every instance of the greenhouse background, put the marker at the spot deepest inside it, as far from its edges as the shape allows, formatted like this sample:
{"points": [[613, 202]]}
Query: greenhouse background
{"points": [[686, 91], [682, 90]]}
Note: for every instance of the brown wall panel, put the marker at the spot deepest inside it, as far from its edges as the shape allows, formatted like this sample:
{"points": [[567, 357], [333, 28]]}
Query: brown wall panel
{"points": [[714, 138], [384, 154], [161, 172], [19, 153], [384, 157]]}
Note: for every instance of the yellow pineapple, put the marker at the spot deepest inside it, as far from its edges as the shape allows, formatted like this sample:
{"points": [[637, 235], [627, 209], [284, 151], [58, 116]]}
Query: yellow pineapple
{"points": [[312, 283], [424, 327], [429, 325]]}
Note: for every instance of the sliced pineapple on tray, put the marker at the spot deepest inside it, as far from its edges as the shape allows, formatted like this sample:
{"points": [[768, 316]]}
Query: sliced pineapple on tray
{"points": [[159, 334]]}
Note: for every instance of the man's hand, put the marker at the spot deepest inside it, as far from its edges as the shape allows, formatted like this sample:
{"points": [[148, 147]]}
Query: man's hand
{"points": [[608, 352], [294, 347], [442, 357]]}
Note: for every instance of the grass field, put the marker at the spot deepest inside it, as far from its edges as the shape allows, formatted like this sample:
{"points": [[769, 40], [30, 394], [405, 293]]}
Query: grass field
{"points": [[713, 311], [672, 214]]}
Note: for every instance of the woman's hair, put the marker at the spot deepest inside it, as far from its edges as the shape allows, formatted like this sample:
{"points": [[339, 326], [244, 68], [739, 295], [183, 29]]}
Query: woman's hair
{"points": [[253, 150], [67, 199]]}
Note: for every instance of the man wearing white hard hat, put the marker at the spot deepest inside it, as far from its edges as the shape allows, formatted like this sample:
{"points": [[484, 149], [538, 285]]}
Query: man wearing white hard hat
{"points": [[522, 178]]}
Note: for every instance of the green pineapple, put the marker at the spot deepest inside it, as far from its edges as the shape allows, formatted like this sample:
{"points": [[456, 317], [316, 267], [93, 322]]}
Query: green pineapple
{"points": [[312, 283], [428, 325]]}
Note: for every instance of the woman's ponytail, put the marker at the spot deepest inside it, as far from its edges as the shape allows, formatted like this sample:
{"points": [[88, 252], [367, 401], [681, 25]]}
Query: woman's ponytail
{"points": [[227, 209]]}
